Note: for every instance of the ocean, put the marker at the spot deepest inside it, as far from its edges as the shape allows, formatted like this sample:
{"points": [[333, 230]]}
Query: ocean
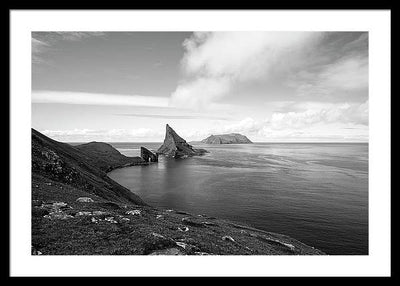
{"points": [[314, 192]]}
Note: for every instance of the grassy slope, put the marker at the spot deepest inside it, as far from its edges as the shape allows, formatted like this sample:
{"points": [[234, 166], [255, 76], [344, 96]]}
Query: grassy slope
{"points": [[66, 164], [107, 157], [73, 228]]}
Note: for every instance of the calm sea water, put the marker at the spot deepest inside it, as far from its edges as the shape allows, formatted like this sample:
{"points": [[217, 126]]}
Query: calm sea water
{"points": [[314, 192]]}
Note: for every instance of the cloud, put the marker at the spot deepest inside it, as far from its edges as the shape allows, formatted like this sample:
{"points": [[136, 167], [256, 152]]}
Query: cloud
{"points": [[38, 47], [85, 98], [42, 42], [113, 135], [215, 61], [339, 79], [309, 113], [329, 66], [240, 55], [76, 36], [312, 120], [53, 37], [347, 74], [357, 46], [315, 134], [200, 92], [331, 113], [247, 125], [166, 116]]}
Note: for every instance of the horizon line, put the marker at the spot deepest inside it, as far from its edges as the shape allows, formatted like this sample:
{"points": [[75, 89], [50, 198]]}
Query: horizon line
{"points": [[194, 141]]}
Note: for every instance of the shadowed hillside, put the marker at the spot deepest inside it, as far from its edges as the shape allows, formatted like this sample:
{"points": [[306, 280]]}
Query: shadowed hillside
{"points": [[81, 167]]}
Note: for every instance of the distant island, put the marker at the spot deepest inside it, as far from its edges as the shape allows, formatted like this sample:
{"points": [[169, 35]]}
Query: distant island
{"points": [[232, 138]]}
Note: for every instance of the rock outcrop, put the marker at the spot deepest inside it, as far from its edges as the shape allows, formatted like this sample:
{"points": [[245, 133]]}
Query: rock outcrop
{"points": [[176, 147], [232, 138], [147, 155]]}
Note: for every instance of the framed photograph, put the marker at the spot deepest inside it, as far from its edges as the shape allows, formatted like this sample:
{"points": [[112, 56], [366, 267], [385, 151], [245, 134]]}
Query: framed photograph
{"points": [[200, 143]]}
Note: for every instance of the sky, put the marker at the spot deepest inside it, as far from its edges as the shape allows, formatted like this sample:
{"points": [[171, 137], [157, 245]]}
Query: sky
{"points": [[269, 86]]}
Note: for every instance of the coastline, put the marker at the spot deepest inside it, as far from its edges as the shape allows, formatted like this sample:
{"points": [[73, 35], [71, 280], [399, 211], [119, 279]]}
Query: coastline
{"points": [[280, 240], [126, 165], [78, 209], [129, 229]]}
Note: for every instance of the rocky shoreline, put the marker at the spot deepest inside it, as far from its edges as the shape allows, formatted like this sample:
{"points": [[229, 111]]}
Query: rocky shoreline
{"points": [[78, 210]]}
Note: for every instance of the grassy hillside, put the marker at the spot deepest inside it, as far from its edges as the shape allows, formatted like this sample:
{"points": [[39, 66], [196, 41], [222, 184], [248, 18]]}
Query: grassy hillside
{"points": [[81, 169], [106, 157]]}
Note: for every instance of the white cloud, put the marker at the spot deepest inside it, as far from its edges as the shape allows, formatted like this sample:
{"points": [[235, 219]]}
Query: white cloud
{"points": [[76, 36], [38, 47], [335, 133], [248, 124], [241, 55], [245, 126], [321, 113], [350, 73], [215, 61], [112, 135], [71, 132], [223, 60], [312, 121], [85, 98], [44, 41], [200, 92], [341, 78]]}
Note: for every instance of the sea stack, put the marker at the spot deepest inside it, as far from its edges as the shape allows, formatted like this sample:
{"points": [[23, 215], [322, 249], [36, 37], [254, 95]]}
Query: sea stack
{"points": [[147, 155], [176, 147], [232, 138]]}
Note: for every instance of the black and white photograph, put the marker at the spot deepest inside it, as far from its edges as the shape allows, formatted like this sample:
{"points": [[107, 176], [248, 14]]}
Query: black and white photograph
{"points": [[199, 142]]}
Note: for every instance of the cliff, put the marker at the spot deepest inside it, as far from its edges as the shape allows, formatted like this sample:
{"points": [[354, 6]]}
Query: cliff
{"points": [[232, 138], [82, 167], [147, 155], [177, 147]]}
